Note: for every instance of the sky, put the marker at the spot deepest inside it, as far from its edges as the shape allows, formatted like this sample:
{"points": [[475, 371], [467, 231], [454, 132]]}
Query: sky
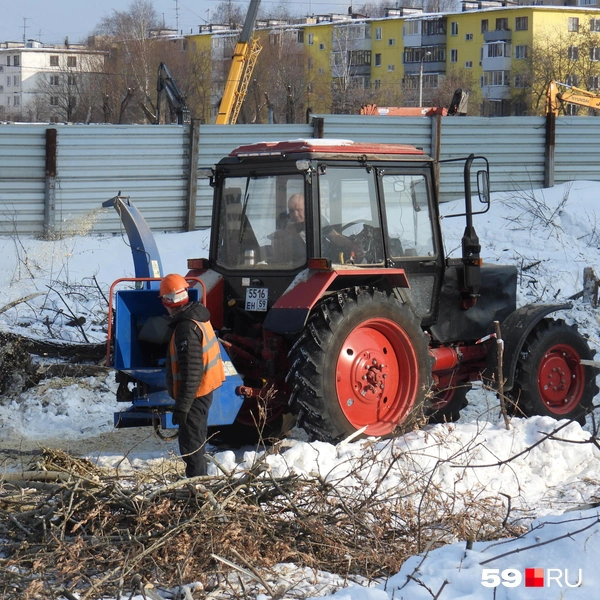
{"points": [[50, 21], [553, 486]]}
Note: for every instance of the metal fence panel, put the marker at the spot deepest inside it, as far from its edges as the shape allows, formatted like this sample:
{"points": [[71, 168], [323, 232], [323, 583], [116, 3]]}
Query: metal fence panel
{"points": [[514, 147], [415, 131], [577, 149], [149, 163], [22, 178]]}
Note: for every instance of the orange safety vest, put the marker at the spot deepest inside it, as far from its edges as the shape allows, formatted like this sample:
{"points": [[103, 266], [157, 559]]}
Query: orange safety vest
{"points": [[214, 373]]}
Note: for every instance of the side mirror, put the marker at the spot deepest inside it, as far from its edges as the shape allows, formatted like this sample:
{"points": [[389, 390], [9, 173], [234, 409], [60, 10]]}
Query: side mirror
{"points": [[483, 186]]}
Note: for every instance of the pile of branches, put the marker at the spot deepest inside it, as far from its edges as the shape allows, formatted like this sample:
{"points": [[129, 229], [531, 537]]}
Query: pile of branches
{"points": [[70, 528]]}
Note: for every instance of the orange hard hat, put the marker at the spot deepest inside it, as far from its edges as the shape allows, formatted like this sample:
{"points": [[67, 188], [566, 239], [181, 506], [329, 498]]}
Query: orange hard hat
{"points": [[173, 290]]}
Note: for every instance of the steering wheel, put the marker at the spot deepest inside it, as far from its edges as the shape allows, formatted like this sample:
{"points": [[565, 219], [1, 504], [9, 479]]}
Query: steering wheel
{"points": [[357, 222]]}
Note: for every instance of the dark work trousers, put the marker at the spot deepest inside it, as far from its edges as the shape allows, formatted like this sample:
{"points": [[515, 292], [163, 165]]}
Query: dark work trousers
{"points": [[192, 436]]}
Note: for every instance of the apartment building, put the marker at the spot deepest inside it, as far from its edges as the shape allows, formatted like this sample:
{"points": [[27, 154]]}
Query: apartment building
{"points": [[44, 82]]}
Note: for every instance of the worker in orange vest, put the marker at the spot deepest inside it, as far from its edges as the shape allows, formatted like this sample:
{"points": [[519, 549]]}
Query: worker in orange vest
{"points": [[194, 369]]}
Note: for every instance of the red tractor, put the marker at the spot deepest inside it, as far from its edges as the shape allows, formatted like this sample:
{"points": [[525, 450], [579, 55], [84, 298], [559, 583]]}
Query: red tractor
{"points": [[328, 285]]}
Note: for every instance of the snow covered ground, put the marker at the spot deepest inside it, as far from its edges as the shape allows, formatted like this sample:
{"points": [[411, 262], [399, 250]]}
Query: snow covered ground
{"points": [[550, 479]]}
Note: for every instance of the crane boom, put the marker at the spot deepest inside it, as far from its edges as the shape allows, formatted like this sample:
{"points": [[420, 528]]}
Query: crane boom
{"points": [[573, 95], [244, 58]]}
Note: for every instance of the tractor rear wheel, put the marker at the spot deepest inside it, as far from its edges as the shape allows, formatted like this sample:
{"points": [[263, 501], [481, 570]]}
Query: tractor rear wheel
{"points": [[362, 361], [549, 379]]}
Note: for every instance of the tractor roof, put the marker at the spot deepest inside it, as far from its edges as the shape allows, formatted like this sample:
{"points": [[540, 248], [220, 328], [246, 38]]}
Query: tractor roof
{"points": [[325, 146]]}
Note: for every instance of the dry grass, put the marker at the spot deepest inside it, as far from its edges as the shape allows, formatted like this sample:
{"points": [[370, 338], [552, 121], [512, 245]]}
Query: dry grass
{"points": [[70, 527]]}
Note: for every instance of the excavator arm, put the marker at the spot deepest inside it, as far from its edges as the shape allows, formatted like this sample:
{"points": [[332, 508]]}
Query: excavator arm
{"points": [[572, 95], [166, 85], [244, 58]]}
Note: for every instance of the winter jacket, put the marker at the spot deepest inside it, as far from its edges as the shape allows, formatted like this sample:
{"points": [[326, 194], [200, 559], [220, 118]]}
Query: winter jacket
{"points": [[189, 358]]}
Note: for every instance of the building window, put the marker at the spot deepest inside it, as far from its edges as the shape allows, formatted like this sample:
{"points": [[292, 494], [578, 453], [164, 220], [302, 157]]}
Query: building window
{"points": [[521, 52], [310, 63], [502, 24], [71, 80], [377, 84], [497, 50], [300, 38], [8, 101], [454, 55], [520, 80], [275, 39], [468, 37], [8, 80], [412, 28], [594, 24], [54, 80], [573, 24], [454, 28], [16, 80], [391, 68], [53, 100], [16, 61], [392, 42], [594, 82], [71, 61], [321, 71], [8, 61], [469, 64], [573, 53], [496, 78], [377, 59], [54, 60], [595, 53], [16, 101], [321, 46], [311, 39], [378, 33], [522, 23], [484, 25], [572, 80]]}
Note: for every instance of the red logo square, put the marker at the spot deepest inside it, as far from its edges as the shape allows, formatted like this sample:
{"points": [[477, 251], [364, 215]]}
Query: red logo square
{"points": [[534, 577]]}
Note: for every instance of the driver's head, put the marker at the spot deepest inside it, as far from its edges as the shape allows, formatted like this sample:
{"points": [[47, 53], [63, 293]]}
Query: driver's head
{"points": [[296, 208]]}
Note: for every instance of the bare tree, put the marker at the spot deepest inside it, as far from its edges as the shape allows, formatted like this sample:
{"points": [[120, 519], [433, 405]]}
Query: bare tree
{"points": [[73, 93], [350, 67], [571, 57]]}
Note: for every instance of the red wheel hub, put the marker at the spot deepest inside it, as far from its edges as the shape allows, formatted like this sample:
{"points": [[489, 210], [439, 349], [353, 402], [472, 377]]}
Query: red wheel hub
{"points": [[561, 379], [377, 376]]}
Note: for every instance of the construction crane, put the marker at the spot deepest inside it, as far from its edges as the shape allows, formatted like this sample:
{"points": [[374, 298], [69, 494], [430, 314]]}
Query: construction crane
{"points": [[573, 95], [245, 54]]}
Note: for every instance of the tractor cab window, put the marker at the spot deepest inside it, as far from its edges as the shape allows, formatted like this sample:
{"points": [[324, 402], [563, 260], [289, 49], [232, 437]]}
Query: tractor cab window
{"points": [[350, 223], [406, 202], [261, 224]]}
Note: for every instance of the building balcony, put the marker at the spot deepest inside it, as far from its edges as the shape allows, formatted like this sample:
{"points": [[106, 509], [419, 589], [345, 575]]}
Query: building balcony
{"points": [[497, 35], [495, 92], [497, 63], [428, 67]]}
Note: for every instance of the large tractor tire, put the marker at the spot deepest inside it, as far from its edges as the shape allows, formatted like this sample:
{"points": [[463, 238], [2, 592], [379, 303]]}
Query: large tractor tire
{"points": [[446, 404], [549, 379], [362, 360]]}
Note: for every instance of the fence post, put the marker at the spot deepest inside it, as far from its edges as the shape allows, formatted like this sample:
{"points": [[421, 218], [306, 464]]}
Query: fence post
{"points": [[436, 145], [550, 147], [50, 185], [192, 187]]}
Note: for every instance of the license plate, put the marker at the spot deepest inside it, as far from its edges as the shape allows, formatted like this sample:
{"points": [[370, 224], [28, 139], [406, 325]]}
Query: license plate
{"points": [[256, 298]]}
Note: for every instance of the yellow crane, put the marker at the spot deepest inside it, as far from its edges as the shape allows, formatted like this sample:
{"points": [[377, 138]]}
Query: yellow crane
{"points": [[555, 99], [245, 54]]}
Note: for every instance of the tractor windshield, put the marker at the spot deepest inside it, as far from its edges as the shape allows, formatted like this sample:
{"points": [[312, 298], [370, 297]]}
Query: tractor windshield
{"points": [[261, 224]]}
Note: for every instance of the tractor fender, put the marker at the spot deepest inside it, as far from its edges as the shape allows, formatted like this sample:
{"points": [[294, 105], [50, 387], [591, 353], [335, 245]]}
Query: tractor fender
{"points": [[291, 311], [515, 329]]}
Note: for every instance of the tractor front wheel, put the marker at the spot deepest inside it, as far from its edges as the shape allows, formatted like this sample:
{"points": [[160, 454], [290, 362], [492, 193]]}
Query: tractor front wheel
{"points": [[550, 379], [361, 362]]}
